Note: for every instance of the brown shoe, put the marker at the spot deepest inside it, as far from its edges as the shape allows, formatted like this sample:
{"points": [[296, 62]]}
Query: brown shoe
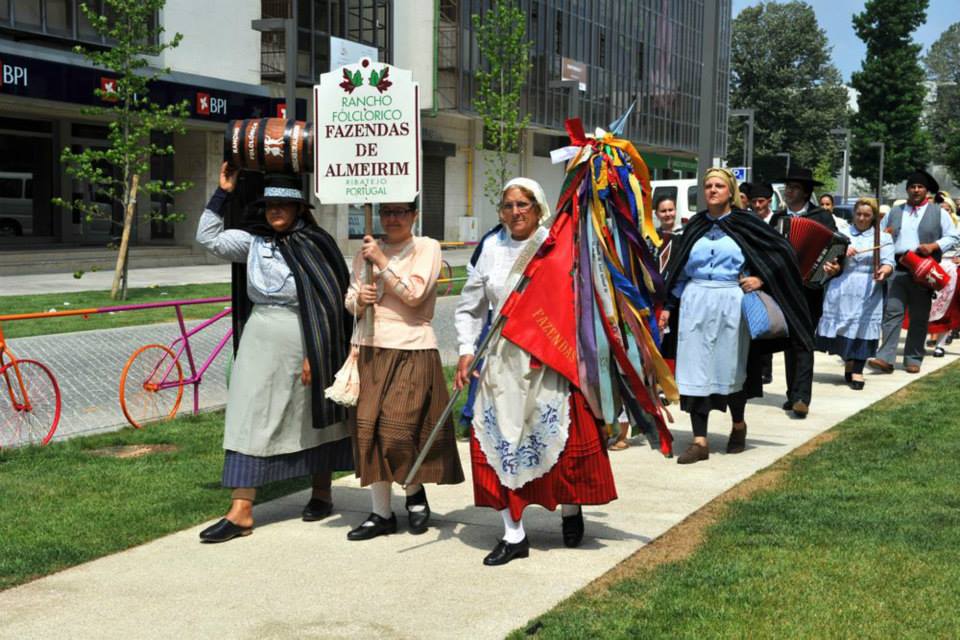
{"points": [[880, 365], [694, 453], [912, 368], [737, 441], [800, 409]]}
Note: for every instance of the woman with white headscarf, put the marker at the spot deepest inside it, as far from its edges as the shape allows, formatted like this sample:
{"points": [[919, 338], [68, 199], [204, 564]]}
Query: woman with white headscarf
{"points": [[570, 466]]}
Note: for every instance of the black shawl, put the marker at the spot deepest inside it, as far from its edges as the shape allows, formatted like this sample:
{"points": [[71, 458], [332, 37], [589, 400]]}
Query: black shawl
{"points": [[322, 279], [768, 256]]}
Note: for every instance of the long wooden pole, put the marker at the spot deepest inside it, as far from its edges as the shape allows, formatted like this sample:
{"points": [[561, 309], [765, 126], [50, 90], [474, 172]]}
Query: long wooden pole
{"points": [[368, 275]]}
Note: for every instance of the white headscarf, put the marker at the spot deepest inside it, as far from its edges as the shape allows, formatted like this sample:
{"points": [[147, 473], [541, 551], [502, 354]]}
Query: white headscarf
{"points": [[533, 187]]}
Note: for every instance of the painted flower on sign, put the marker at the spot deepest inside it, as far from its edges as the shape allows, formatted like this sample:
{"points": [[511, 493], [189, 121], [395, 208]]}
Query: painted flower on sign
{"points": [[379, 80]]}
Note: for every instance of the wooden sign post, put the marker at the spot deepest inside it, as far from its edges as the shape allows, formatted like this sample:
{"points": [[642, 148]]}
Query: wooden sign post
{"points": [[367, 136]]}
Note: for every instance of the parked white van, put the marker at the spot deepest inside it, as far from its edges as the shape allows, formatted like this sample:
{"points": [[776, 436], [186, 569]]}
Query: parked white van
{"points": [[16, 204]]}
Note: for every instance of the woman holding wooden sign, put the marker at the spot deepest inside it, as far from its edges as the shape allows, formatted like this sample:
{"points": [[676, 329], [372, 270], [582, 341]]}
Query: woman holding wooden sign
{"points": [[402, 389]]}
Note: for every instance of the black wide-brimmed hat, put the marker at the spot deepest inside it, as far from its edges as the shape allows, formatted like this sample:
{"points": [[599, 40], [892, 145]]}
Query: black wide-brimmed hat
{"points": [[919, 176], [282, 187], [761, 190], [746, 188], [804, 176]]}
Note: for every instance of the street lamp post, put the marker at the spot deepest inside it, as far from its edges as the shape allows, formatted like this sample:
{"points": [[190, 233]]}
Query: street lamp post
{"points": [[785, 154], [881, 146], [748, 143], [843, 131]]}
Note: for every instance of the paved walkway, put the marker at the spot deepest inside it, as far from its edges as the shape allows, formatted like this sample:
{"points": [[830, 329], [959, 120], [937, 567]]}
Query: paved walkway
{"points": [[161, 276], [297, 580]]}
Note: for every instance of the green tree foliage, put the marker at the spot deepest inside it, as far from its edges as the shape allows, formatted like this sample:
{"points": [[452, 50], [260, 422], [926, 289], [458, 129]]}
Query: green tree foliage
{"points": [[505, 62], [943, 69], [781, 67], [119, 172], [891, 91]]}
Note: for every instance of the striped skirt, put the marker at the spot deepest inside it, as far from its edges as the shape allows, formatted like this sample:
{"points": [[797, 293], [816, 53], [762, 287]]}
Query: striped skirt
{"points": [[402, 395], [582, 474], [244, 471]]}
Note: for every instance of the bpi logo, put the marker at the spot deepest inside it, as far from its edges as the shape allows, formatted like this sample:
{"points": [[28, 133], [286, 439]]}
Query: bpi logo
{"points": [[109, 88], [207, 105], [13, 75]]}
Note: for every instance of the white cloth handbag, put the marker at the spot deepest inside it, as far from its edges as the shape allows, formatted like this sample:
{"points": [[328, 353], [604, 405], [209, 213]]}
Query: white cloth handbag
{"points": [[345, 389]]}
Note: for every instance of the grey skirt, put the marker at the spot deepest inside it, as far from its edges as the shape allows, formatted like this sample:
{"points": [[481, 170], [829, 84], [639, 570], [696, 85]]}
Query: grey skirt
{"points": [[269, 434]]}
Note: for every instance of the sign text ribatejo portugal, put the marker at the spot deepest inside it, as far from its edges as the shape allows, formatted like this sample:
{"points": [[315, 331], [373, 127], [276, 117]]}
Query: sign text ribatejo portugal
{"points": [[367, 123]]}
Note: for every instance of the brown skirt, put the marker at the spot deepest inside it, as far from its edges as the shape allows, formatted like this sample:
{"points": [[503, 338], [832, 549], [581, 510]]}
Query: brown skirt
{"points": [[402, 394]]}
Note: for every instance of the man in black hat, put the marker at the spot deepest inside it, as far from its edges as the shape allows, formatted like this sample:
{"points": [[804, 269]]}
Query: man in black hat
{"points": [[799, 360], [923, 227], [761, 196]]}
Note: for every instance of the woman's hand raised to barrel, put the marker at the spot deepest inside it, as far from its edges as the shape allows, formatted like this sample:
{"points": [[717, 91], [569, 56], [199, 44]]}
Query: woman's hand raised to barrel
{"points": [[228, 177]]}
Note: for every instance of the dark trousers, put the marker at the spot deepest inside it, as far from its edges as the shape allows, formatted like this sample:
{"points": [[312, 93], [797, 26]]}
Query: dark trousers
{"points": [[799, 365], [799, 361], [904, 296]]}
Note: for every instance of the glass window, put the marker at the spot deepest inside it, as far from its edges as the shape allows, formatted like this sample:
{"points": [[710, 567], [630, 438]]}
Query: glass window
{"points": [[59, 18], [321, 16], [85, 30], [5, 10], [28, 189], [11, 188], [692, 198], [26, 13]]}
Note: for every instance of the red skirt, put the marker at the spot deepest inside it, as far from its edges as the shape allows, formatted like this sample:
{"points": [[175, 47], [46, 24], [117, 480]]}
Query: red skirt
{"points": [[582, 474], [951, 319]]}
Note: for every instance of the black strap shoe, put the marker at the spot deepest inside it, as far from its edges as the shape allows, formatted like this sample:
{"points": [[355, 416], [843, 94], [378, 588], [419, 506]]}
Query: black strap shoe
{"points": [[223, 531], [572, 528], [504, 552], [374, 526], [419, 518], [316, 509]]}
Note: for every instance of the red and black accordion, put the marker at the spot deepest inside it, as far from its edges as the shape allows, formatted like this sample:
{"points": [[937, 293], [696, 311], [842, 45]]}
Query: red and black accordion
{"points": [[815, 245]]}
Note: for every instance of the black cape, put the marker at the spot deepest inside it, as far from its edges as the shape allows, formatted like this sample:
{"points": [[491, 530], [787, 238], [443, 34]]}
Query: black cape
{"points": [[768, 256]]}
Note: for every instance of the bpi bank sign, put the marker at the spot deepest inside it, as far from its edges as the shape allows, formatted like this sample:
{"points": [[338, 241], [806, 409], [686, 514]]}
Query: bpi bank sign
{"points": [[209, 105], [12, 75]]}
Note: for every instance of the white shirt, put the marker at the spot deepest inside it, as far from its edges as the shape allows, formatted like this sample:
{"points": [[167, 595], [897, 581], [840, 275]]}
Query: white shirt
{"points": [[909, 239], [485, 286]]}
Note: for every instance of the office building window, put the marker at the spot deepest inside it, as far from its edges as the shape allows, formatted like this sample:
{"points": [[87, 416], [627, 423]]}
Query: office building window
{"points": [[55, 20]]}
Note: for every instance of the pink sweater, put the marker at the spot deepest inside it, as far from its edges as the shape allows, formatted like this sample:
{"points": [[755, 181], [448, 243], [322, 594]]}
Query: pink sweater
{"points": [[407, 295]]}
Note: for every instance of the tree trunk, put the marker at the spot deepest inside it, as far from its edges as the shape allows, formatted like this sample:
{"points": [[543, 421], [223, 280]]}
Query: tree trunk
{"points": [[119, 272]]}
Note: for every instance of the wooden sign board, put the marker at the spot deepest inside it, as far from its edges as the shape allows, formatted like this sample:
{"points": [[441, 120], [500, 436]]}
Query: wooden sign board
{"points": [[367, 135]]}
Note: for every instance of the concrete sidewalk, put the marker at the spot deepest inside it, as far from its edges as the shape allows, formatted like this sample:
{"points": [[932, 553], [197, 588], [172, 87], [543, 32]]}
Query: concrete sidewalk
{"points": [[297, 580], [31, 284]]}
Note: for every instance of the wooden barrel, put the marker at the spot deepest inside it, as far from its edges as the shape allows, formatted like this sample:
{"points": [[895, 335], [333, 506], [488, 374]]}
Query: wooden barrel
{"points": [[270, 145]]}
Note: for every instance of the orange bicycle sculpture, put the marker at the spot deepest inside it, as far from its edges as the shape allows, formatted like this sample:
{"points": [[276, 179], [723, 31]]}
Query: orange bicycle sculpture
{"points": [[29, 400]]}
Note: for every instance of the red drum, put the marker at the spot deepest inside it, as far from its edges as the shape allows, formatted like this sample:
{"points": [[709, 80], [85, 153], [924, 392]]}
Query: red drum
{"points": [[270, 145], [926, 272]]}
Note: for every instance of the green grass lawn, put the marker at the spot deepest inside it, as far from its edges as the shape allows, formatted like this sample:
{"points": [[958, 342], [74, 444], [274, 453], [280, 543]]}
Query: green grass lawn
{"points": [[10, 305], [61, 505], [859, 539]]}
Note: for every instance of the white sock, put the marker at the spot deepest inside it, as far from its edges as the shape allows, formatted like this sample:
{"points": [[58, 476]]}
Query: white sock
{"points": [[512, 529], [413, 489], [380, 496], [567, 510], [943, 339]]}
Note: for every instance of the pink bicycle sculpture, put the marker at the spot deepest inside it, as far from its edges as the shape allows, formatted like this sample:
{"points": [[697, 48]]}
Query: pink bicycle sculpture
{"points": [[152, 382]]}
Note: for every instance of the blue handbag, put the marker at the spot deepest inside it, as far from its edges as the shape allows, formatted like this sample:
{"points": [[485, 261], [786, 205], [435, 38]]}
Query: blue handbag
{"points": [[763, 316]]}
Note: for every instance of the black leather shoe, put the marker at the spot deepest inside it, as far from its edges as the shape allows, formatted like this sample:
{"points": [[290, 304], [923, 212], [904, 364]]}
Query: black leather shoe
{"points": [[418, 519], [504, 552], [223, 531], [316, 509], [767, 378], [378, 526], [787, 406], [572, 528]]}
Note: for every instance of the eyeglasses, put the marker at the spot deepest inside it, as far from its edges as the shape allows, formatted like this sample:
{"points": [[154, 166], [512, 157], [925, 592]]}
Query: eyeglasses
{"points": [[394, 213], [522, 207]]}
